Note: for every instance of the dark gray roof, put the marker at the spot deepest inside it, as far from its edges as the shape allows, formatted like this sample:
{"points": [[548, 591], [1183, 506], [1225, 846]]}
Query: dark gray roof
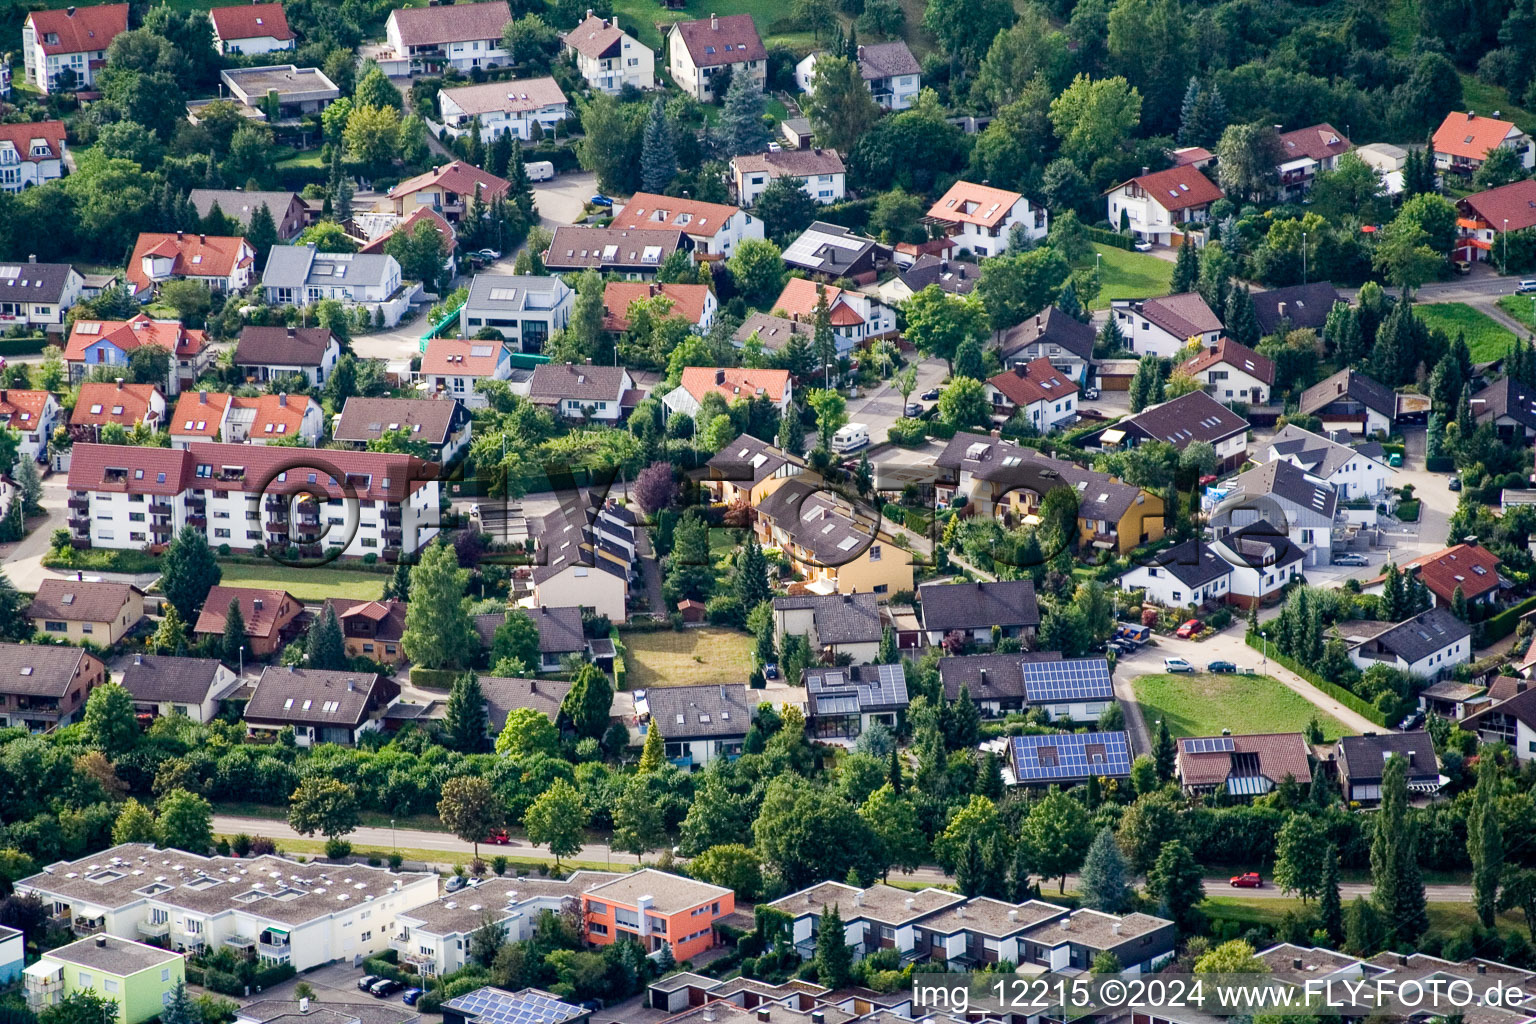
{"points": [[241, 205], [1258, 546], [1193, 563], [1424, 634], [161, 677], [554, 382], [559, 629], [830, 248], [504, 694], [1053, 327], [948, 606], [839, 618], [953, 276], [38, 670], [578, 247], [691, 712], [301, 695], [989, 676], [747, 458], [1192, 417], [1364, 757], [34, 282], [490, 1005], [1284, 480], [855, 689], [293, 266], [1506, 397], [834, 530], [1306, 305], [431, 420], [1348, 384], [1322, 456], [282, 346], [1016, 467]]}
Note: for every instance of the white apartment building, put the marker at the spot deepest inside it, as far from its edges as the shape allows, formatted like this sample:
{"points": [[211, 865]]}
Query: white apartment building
{"points": [[1151, 206], [462, 36], [503, 107], [715, 228], [697, 51], [610, 58], [66, 49], [31, 155], [278, 910]]}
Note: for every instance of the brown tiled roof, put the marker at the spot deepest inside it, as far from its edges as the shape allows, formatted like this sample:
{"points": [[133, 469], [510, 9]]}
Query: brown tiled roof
{"points": [[1351, 384], [377, 246], [1192, 417], [711, 42], [648, 210], [517, 96], [1469, 135], [799, 297], [366, 419], [1183, 316], [286, 694], [457, 177], [797, 163], [39, 670], [77, 601], [252, 21], [129, 470], [1514, 203], [103, 402], [555, 382], [1319, 142], [80, 29], [21, 409], [128, 335], [1471, 567], [575, 246], [1053, 327], [969, 203], [276, 608], [23, 135], [1035, 381], [282, 346], [595, 37], [1177, 188], [1235, 354], [504, 694], [388, 616], [1272, 755], [451, 23]]}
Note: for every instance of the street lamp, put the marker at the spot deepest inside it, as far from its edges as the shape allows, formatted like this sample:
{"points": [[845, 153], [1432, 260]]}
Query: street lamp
{"points": [[392, 833], [1265, 635], [1303, 257], [242, 661], [1504, 237]]}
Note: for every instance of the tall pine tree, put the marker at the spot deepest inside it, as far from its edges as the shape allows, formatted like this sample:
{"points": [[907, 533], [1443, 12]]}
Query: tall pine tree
{"points": [[1395, 878], [466, 723], [234, 633], [1330, 909], [658, 150], [324, 647], [1186, 270], [1241, 321], [1164, 752]]}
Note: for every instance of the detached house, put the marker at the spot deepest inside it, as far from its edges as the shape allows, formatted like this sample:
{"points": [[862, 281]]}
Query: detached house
{"points": [[66, 49], [370, 629], [975, 609], [1166, 326], [831, 543], [272, 353], [834, 251], [1246, 766], [1036, 393], [443, 425], [73, 610], [1233, 372], [94, 343], [526, 310], [1511, 721], [44, 687], [856, 316], [1429, 645], [1362, 761], [1309, 505], [1306, 153], [288, 211], [1066, 759], [250, 29], [448, 188], [1352, 472], [730, 383], [697, 723], [1191, 573], [631, 255], [1052, 335], [453, 366], [33, 415], [1464, 140], [820, 172], [31, 155], [224, 264], [599, 393], [516, 107], [844, 702], [1485, 216], [834, 625], [270, 616], [127, 405], [1154, 207], [322, 707], [714, 228], [1263, 562], [461, 36], [697, 51], [282, 94], [610, 58], [1192, 417], [693, 302], [299, 275], [37, 295], [1293, 308], [890, 71], [982, 219], [1065, 690], [164, 685], [1472, 568], [1351, 401], [1510, 406]]}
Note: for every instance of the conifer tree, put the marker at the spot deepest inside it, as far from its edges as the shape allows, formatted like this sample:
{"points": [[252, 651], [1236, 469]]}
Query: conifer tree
{"points": [[1241, 322], [1485, 839], [653, 754], [467, 724], [1330, 908], [234, 633], [1186, 270], [1105, 879], [658, 152], [324, 647], [1395, 877], [1164, 752]]}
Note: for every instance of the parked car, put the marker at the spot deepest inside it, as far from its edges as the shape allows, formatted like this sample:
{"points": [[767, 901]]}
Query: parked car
{"points": [[1412, 722], [1221, 666], [1395, 461], [1454, 483], [385, 987], [1177, 665], [1247, 880], [1135, 636], [1188, 630], [1091, 395], [456, 883], [931, 395], [1143, 246], [913, 409], [1525, 287], [1462, 266], [1352, 559], [770, 671], [600, 200], [498, 837], [487, 254], [410, 995], [366, 982]]}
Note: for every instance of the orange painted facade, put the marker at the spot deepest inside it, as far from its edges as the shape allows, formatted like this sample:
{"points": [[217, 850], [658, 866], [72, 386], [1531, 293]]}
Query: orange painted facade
{"points": [[690, 931]]}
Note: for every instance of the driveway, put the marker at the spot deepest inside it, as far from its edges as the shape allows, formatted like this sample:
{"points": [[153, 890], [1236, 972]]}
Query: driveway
{"points": [[881, 406], [333, 983]]}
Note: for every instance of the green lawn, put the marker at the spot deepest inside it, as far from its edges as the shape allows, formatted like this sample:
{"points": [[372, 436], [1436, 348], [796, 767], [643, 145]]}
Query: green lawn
{"points": [[1203, 705], [708, 654], [1481, 96], [308, 584], [1130, 275], [1522, 308], [287, 156], [773, 20], [1485, 337]]}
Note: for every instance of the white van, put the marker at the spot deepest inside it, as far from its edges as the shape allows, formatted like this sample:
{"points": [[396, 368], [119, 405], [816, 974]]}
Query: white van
{"points": [[539, 170], [850, 438]]}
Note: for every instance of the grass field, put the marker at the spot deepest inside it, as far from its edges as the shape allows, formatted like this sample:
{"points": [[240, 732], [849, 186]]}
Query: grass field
{"points": [[707, 654], [1203, 705], [773, 20], [1443, 917], [308, 584], [1521, 307], [1130, 275], [1486, 339]]}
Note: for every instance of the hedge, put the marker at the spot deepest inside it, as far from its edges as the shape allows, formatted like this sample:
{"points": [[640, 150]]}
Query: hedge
{"points": [[434, 678], [1440, 463], [103, 560], [1350, 700], [23, 346], [276, 974], [1497, 627], [1111, 238]]}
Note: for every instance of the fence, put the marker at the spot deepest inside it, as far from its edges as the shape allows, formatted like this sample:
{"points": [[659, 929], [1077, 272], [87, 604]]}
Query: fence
{"points": [[1350, 700]]}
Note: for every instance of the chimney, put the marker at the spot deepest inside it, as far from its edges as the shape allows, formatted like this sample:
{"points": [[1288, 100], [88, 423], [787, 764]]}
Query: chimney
{"points": [[764, 1013], [1280, 308], [1296, 963], [847, 599], [858, 898], [1021, 369], [1116, 927], [984, 678], [202, 238], [1066, 924], [1145, 171], [303, 1002], [1520, 686], [1471, 114], [32, 257], [714, 23], [119, 383], [256, 604], [178, 233], [861, 53], [351, 685], [1402, 959], [101, 940], [282, 399], [291, 332], [544, 608], [1482, 968], [818, 1017], [960, 910], [202, 397], [1339, 388], [1039, 322], [1013, 915], [719, 376], [69, 11]]}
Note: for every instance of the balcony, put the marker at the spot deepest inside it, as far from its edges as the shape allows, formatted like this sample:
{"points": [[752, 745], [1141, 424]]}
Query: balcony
{"points": [[79, 504], [79, 523], [154, 929], [394, 537], [392, 516], [276, 503], [1107, 541], [85, 926], [198, 521], [391, 554], [160, 508], [197, 504], [274, 951]]}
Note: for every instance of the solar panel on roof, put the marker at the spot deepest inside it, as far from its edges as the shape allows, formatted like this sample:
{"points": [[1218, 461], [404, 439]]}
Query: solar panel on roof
{"points": [[493, 1006], [1209, 745], [1067, 680], [1070, 756]]}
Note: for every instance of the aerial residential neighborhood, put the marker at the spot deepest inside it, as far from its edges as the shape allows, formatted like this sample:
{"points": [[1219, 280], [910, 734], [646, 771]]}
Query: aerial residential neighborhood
{"points": [[521, 513]]}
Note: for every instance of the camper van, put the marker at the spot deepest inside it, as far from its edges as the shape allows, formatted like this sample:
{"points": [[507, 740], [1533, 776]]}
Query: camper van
{"points": [[539, 170], [850, 438]]}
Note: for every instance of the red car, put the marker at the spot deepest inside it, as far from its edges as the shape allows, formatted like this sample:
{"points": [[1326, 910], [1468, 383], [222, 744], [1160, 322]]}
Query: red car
{"points": [[1248, 880], [1188, 630], [498, 838]]}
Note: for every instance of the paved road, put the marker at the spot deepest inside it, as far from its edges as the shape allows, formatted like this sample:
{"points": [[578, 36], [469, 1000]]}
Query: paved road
{"points": [[881, 406]]}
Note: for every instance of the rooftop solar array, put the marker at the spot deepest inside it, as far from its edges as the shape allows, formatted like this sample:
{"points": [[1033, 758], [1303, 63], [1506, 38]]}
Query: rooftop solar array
{"points": [[1066, 757], [1067, 680], [1210, 745], [840, 692], [497, 1006]]}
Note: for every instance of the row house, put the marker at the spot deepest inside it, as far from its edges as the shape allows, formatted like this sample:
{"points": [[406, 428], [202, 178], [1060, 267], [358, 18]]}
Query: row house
{"points": [[236, 419], [31, 155], [44, 687], [517, 108], [698, 51], [983, 219], [586, 556], [715, 229], [460, 36], [250, 496], [94, 343], [271, 909], [66, 49], [610, 58]]}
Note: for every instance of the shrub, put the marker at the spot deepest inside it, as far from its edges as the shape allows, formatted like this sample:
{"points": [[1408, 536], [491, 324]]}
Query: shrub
{"points": [[276, 974], [499, 864], [336, 848], [373, 860], [261, 846], [395, 860], [240, 844]]}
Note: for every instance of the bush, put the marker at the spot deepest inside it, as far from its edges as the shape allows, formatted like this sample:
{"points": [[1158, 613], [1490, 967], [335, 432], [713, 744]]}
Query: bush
{"points": [[336, 848], [433, 678], [1497, 627], [276, 974], [395, 860], [909, 433]]}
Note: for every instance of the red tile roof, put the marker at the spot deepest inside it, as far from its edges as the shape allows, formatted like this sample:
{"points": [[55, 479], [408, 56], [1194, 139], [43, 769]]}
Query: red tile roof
{"points": [[732, 383], [1319, 142], [23, 410], [276, 416], [711, 42], [798, 299], [253, 21], [647, 210], [451, 23], [127, 470], [421, 213], [458, 177], [461, 357], [80, 29], [127, 335], [1177, 188], [22, 136], [1277, 755], [199, 414], [595, 37], [103, 402], [969, 203], [276, 607], [1191, 155], [1236, 355], [688, 301], [1035, 381], [1515, 203], [192, 255], [1470, 136], [1471, 567]]}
